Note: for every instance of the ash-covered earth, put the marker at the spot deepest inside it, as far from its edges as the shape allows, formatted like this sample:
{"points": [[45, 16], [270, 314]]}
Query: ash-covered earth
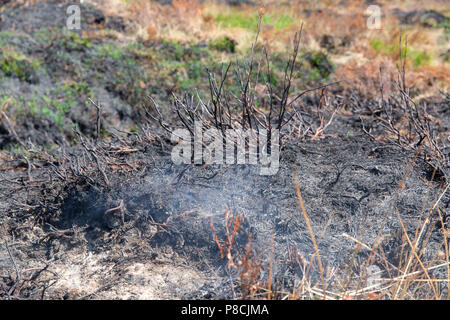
{"points": [[160, 242], [115, 218]]}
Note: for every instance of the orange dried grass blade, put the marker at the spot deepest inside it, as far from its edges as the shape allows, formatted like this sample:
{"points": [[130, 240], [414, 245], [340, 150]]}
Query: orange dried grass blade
{"points": [[308, 224], [216, 238], [413, 251], [447, 252]]}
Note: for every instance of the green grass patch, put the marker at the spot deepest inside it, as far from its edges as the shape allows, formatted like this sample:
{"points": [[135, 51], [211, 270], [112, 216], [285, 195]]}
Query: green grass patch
{"points": [[13, 63], [55, 109], [7, 101], [110, 50], [416, 57], [224, 44], [56, 103], [139, 51], [320, 66], [73, 42], [7, 36], [181, 66], [76, 89], [33, 106], [238, 19]]}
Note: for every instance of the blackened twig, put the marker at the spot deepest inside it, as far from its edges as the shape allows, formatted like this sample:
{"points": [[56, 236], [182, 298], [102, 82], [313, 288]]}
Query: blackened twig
{"points": [[18, 273]]}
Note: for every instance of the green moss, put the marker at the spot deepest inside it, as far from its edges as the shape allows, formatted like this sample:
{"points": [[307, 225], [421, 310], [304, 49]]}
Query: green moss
{"points": [[76, 89], [224, 44], [110, 50], [320, 65], [46, 35], [56, 103], [195, 74], [54, 109], [73, 42], [18, 149], [179, 66], [7, 36], [33, 106], [179, 52], [16, 64], [7, 101]]}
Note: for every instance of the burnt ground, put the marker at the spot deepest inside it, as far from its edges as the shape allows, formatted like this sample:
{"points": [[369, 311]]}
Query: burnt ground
{"points": [[116, 219], [161, 245]]}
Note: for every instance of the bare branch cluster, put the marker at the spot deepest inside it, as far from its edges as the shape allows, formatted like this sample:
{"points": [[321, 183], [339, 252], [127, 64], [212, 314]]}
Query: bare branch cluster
{"points": [[254, 103], [404, 122]]}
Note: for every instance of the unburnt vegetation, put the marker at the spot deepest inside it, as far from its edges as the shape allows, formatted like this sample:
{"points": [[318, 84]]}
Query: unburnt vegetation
{"points": [[93, 207]]}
